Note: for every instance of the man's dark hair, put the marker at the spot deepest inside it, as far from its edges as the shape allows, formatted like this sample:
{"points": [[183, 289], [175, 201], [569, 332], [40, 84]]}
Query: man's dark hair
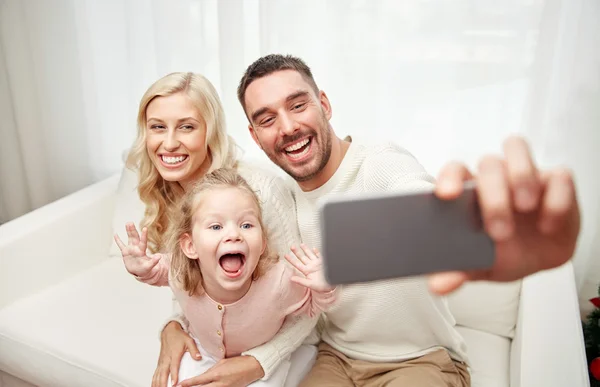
{"points": [[268, 65]]}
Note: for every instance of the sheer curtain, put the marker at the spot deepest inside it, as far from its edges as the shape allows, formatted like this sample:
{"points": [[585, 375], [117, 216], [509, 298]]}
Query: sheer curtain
{"points": [[447, 79]]}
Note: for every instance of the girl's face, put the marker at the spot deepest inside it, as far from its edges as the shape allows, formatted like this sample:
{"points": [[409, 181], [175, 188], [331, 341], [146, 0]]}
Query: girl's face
{"points": [[228, 241], [176, 138]]}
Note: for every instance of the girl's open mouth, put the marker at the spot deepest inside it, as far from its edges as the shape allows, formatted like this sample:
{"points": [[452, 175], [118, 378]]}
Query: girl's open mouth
{"points": [[232, 264]]}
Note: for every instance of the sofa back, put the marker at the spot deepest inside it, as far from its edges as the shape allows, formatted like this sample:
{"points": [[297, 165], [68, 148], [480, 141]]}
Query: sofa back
{"points": [[487, 306], [129, 208]]}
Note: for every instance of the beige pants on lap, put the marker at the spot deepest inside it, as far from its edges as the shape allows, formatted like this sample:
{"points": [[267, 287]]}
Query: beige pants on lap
{"points": [[334, 369]]}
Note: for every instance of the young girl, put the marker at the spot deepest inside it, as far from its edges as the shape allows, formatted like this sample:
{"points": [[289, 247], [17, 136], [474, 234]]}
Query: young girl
{"points": [[234, 292]]}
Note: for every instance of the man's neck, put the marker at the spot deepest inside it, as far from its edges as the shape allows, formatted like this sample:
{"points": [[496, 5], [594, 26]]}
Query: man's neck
{"points": [[339, 148]]}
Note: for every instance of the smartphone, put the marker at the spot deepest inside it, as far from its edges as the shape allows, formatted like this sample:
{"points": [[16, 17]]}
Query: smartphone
{"points": [[380, 236]]}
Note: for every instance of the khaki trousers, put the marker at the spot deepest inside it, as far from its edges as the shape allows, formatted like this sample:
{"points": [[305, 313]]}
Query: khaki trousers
{"points": [[332, 369]]}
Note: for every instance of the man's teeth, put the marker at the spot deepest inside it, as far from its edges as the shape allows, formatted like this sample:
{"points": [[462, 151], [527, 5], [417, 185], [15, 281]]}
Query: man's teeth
{"points": [[299, 155], [173, 160], [296, 146]]}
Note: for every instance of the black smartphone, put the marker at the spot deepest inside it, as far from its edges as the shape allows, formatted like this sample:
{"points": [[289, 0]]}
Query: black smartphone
{"points": [[380, 236]]}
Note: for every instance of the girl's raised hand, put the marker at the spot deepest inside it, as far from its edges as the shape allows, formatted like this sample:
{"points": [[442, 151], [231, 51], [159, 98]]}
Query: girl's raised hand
{"points": [[309, 263]]}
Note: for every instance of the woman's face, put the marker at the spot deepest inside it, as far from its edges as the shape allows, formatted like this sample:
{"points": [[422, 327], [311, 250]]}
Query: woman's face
{"points": [[176, 139]]}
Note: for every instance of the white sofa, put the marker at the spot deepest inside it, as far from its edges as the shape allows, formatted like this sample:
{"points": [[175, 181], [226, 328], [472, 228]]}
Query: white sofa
{"points": [[71, 316]]}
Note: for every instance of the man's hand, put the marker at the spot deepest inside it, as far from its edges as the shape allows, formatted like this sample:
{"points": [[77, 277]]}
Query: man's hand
{"points": [[174, 342], [237, 371], [532, 216]]}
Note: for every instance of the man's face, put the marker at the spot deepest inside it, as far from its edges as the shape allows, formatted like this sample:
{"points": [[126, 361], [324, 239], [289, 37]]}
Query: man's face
{"points": [[290, 123]]}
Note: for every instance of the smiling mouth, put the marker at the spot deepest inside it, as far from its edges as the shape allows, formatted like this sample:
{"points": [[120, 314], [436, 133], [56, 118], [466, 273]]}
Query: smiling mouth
{"points": [[232, 264], [298, 149], [173, 160]]}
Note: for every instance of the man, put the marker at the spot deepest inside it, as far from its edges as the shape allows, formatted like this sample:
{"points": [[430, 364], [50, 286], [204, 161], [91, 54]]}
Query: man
{"points": [[396, 332], [542, 205]]}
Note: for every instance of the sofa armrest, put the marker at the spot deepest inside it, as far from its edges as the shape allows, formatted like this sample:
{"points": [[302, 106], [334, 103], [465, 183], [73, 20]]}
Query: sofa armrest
{"points": [[56, 241], [548, 348]]}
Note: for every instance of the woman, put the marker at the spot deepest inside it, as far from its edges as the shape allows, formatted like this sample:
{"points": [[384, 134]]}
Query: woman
{"points": [[181, 136]]}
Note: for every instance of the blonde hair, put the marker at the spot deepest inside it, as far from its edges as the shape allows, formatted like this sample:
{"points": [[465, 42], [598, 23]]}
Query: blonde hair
{"points": [[158, 194], [185, 271]]}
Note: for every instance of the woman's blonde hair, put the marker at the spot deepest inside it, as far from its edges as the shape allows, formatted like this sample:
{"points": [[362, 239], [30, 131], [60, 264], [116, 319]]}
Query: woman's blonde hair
{"points": [[158, 194], [185, 271]]}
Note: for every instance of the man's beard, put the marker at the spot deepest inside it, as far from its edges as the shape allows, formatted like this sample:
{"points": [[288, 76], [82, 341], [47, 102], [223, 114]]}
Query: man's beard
{"points": [[323, 153]]}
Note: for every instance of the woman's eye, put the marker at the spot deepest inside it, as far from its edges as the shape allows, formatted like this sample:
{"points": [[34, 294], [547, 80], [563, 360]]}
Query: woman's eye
{"points": [[187, 127], [157, 127]]}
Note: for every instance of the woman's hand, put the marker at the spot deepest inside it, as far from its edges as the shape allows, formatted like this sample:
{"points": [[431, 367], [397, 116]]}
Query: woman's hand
{"points": [[237, 371], [174, 342]]}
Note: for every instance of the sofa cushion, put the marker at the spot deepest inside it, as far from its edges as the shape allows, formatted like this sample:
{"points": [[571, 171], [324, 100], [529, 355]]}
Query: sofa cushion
{"points": [[487, 307], [489, 357], [99, 328], [7, 380]]}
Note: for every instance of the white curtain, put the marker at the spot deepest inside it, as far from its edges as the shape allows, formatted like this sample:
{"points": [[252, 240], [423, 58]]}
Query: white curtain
{"points": [[447, 79]]}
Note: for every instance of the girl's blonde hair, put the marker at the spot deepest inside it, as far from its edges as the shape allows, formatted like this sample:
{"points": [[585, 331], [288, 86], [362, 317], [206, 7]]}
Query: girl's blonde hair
{"points": [[158, 194], [186, 271]]}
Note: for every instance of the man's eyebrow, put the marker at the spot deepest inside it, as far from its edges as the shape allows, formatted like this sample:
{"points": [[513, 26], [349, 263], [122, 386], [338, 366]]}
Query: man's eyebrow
{"points": [[291, 97], [299, 93], [259, 113]]}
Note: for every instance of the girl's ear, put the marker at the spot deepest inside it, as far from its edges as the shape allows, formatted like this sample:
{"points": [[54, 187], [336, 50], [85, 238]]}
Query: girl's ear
{"points": [[187, 246]]}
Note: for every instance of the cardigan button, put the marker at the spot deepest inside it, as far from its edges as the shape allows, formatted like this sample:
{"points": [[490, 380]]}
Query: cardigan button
{"points": [[220, 307]]}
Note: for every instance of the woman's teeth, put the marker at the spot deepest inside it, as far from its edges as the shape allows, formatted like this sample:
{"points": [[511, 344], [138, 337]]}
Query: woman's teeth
{"points": [[173, 160]]}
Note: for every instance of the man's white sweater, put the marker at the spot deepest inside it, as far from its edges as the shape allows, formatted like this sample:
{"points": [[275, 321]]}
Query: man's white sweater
{"points": [[389, 320]]}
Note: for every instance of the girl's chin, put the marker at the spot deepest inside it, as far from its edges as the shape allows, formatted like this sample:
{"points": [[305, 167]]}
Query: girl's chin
{"points": [[235, 285]]}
